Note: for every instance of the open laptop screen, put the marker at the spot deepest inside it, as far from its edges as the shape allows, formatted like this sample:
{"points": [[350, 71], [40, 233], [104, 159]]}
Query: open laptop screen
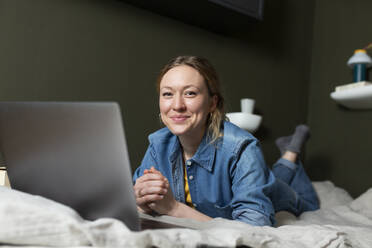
{"points": [[72, 152]]}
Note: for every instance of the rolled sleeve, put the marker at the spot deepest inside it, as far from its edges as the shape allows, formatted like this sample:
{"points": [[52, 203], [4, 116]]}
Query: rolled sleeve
{"points": [[251, 185], [253, 218]]}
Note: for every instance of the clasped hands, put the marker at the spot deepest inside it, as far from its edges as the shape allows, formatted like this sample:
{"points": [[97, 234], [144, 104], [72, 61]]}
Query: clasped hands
{"points": [[153, 193]]}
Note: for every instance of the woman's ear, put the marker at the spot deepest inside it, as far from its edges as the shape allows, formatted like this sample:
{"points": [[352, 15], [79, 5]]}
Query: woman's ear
{"points": [[214, 101]]}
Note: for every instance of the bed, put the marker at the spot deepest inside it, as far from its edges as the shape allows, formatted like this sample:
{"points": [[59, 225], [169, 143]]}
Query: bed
{"points": [[29, 220]]}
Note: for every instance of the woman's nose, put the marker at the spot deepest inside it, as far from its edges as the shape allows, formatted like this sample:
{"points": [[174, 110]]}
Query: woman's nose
{"points": [[178, 103]]}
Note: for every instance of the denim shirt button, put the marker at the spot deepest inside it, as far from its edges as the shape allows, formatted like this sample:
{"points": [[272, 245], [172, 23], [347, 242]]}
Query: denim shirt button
{"points": [[191, 177], [188, 162]]}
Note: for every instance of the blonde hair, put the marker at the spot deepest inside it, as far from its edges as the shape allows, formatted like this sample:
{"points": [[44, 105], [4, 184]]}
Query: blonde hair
{"points": [[211, 80]]}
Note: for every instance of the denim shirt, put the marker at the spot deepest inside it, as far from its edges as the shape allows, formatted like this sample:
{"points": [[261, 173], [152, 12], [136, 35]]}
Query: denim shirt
{"points": [[227, 179]]}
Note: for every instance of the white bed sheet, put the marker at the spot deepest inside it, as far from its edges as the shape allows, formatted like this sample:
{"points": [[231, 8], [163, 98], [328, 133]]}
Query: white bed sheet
{"points": [[33, 221]]}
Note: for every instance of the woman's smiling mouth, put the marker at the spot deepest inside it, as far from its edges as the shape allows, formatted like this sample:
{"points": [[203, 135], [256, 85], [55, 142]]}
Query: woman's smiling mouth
{"points": [[179, 118]]}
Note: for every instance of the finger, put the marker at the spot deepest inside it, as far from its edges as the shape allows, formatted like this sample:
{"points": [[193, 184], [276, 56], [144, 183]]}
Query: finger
{"points": [[156, 189], [136, 191], [159, 182], [163, 182], [153, 190], [156, 172], [153, 170], [150, 187], [147, 199], [150, 190], [150, 176], [149, 183]]}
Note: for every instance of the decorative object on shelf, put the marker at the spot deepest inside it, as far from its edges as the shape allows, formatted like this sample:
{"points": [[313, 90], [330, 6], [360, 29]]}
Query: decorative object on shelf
{"points": [[4, 179], [246, 119], [359, 62], [357, 95]]}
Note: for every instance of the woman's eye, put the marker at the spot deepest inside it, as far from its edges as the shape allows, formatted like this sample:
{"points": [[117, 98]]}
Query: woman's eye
{"points": [[190, 93], [166, 94]]}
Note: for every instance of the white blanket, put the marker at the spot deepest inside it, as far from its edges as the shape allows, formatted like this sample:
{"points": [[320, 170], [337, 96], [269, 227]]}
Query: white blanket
{"points": [[27, 220]]}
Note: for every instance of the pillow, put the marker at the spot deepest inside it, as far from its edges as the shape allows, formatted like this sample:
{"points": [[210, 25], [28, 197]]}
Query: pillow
{"points": [[33, 220], [363, 204], [330, 195]]}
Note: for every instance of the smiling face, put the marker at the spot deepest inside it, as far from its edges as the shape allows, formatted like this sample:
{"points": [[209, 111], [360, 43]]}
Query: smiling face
{"points": [[185, 102]]}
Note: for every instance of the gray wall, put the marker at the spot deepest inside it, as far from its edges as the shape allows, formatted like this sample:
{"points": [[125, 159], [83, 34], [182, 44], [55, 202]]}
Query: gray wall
{"points": [[108, 50], [340, 148]]}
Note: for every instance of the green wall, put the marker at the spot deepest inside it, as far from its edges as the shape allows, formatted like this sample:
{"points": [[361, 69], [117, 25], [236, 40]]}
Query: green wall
{"points": [[339, 149], [108, 50], [89, 50]]}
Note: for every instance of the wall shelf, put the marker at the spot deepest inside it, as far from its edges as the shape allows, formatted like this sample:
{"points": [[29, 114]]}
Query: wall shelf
{"points": [[354, 98]]}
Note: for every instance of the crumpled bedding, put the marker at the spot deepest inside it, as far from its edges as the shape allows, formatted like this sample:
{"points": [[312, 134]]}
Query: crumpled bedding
{"points": [[29, 220]]}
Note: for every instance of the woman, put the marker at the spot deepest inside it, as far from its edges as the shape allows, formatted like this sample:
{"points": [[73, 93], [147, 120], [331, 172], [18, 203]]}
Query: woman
{"points": [[200, 166]]}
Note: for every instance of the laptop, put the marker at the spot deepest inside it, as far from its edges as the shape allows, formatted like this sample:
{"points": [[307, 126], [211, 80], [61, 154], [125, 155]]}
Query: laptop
{"points": [[74, 153]]}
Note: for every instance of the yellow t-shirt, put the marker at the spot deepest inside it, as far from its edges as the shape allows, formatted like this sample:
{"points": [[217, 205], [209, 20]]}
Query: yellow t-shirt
{"points": [[187, 190]]}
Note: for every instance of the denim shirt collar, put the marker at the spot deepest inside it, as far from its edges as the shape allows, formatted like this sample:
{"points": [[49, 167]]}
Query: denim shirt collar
{"points": [[204, 156]]}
